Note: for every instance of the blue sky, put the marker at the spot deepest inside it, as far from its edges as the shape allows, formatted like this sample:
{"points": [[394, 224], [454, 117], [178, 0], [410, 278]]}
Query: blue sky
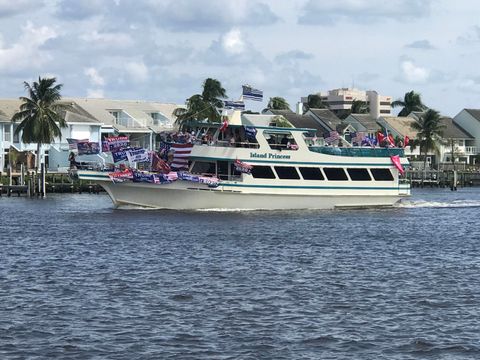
{"points": [[163, 49]]}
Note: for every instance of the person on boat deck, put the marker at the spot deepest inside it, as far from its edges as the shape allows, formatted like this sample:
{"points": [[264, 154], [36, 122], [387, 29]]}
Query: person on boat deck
{"points": [[284, 142], [73, 161]]}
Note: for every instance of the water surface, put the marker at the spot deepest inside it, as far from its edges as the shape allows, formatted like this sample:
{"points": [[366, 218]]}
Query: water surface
{"points": [[80, 279]]}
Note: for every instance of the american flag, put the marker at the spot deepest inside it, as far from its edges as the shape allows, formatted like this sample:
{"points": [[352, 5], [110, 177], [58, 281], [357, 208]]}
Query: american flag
{"points": [[331, 137], [164, 149], [251, 93], [180, 156]]}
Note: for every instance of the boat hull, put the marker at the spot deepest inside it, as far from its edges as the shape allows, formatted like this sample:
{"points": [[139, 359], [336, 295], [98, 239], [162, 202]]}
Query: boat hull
{"points": [[188, 198]]}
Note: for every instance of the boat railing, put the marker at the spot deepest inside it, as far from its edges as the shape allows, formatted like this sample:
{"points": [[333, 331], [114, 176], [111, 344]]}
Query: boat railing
{"points": [[224, 143], [357, 151]]}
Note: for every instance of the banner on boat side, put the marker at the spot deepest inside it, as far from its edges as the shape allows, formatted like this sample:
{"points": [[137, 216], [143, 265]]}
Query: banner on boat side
{"points": [[137, 155], [251, 133], [114, 143], [242, 167], [121, 176], [88, 148], [396, 161]]}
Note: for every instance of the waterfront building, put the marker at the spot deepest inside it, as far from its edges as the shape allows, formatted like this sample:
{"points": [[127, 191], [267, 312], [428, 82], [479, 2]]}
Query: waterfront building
{"points": [[91, 119], [327, 119], [340, 101], [301, 121]]}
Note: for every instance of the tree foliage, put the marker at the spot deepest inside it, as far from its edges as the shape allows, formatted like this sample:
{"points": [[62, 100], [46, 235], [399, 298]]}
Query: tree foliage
{"points": [[39, 113], [430, 132], [359, 107], [412, 101], [278, 103], [203, 106]]}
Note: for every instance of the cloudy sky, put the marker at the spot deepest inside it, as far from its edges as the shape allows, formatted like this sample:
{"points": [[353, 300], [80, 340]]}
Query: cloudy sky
{"points": [[163, 49]]}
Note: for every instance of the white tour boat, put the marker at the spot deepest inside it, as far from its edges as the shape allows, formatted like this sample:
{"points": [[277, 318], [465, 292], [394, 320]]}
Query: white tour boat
{"points": [[285, 175]]}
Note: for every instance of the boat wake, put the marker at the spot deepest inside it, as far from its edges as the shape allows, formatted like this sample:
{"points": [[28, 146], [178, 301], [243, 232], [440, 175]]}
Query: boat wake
{"points": [[438, 204]]}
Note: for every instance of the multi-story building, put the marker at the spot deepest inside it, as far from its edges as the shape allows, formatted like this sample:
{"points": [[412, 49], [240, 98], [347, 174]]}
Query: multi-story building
{"points": [[340, 101]]}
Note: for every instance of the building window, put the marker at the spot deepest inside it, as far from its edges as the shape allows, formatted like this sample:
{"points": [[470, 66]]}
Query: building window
{"points": [[359, 174], [310, 173], [116, 115], [382, 174], [386, 103], [384, 111], [6, 132], [336, 174], [287, 172], [263, 172]]}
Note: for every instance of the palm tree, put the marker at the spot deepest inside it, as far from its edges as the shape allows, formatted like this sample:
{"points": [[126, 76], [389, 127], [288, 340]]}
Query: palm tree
{"points": [[203, 106], [39, 117], [278, 103], [430, 131], [412, 101], [359, 107]]}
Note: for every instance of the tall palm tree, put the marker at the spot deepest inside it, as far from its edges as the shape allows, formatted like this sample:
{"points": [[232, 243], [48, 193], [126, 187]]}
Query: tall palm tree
{"points": [[359, 107], [412, 101], [430, 131], [203, 106], [278, 103], [39, 114]]}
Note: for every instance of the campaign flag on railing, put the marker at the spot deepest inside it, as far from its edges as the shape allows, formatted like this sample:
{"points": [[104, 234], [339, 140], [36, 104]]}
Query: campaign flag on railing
{"points": [[251, 133], [252, 94], [113, 143], [72, 143], [121, 176], [370, 141], [181, 155], [331, 136], [137, 155], [182, 175], [139, 176], [237, 105], [121, 155], [242, 167], [88, 148]]}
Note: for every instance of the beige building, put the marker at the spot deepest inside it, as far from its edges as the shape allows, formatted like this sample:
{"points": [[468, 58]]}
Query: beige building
{"points": [[340, 100]]}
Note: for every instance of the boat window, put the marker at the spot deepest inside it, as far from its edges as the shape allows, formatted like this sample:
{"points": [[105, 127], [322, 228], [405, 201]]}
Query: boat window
{"points": [[280, 140], [311, 173], [263, 172], [359, 174], [382, 174], [287, 172], [203, 167], [222, 170], [335, 174]]}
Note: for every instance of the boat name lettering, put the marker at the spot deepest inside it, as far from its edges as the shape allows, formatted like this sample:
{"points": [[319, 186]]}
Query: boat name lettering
{"points": [[268, 156]]}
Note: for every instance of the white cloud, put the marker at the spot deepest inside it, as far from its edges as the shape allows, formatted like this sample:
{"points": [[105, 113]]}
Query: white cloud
{"points": [[95, 93], [138, 71], [414, 74], [232, 42], [107, 39], [94, 76], [20, 55], [470, 85]]}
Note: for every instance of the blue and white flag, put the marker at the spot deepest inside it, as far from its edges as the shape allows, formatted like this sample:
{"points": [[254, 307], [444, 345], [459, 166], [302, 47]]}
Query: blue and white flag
{"points": [[137, 155], [251, 93], [251, 133], [237, 105]]}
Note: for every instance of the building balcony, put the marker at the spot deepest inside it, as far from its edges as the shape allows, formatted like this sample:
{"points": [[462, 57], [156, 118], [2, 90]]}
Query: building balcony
{"points": [[471, 150]]}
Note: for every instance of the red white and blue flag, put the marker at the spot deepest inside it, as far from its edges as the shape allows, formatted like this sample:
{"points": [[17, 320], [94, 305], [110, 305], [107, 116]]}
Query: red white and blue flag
{"points": [[331, 137], [180, 156]]}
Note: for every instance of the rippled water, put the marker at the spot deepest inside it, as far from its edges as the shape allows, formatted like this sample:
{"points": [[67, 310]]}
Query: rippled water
{"points": [[80, 280]]}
